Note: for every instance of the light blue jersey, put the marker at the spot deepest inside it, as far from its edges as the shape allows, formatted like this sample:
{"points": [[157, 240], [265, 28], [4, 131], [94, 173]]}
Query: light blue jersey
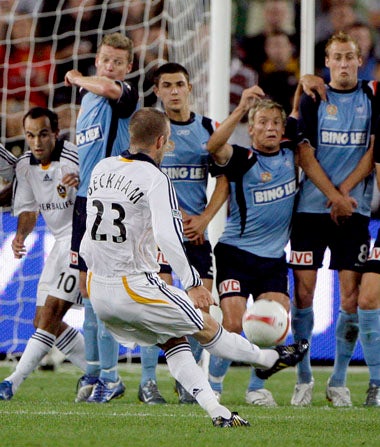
{"points": [[339, 129], [102, 130], [187, 164], [263, 189]]}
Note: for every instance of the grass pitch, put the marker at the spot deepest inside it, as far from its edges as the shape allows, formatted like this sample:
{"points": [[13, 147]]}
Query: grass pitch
{"points": [[43, 414]]}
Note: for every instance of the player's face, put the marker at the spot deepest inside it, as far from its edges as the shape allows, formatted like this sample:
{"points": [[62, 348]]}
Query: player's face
{"points": [[174, 91], [112, 63], [343, 62], [267, 130], [40, 138]]}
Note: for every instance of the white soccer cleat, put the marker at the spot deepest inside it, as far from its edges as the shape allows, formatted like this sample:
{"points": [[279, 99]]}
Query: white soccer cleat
{"points": [[261, 398], [302, 394], [339, 396]]}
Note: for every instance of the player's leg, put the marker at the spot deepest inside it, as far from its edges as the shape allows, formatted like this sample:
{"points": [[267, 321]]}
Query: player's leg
{"points": [[369, 332]]}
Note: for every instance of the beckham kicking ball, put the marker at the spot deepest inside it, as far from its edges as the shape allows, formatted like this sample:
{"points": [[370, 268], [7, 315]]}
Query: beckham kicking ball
{"points": [[266, 323]]}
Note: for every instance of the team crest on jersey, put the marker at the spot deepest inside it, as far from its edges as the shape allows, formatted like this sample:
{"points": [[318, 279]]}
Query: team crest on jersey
{"points": [[266, 177], [62, 192], [332, 109]]}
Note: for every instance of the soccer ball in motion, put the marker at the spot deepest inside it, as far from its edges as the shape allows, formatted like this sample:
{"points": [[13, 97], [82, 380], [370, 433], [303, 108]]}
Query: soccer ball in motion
{"points": [[266, 323]]}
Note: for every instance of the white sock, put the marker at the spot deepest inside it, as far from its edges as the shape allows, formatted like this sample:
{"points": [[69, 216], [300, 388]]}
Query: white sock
{"points": [[231, 346], [183, 368], [37, 347], [71, 344]]}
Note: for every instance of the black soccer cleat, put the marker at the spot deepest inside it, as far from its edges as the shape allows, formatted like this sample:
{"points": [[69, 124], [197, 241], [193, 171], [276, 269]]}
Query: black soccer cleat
{"points": [[289, 356], [234, 421]]}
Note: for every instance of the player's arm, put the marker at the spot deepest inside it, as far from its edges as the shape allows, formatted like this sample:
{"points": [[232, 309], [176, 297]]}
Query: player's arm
{"points": [[99, 85], [195, 226], [217, 145], [25, 225]]}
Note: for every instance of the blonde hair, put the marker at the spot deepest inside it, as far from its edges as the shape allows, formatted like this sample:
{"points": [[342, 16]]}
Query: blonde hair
{"points": [[119, 42], [342, 37], [266, 104]]}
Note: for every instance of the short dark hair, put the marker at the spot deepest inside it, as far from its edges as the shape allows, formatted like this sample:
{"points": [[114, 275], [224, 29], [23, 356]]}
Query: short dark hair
{"points": [[147, 124], [37, 112], [169, 68]]}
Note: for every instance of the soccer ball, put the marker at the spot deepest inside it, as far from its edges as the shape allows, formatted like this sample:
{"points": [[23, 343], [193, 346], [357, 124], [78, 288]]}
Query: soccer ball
{"points": [[266, 323]]}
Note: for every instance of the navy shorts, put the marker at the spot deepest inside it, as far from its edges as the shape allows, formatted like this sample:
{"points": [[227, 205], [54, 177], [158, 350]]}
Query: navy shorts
{"points": [[79, 228], [240, 273], [313, 233], [373, 262], [200, 257]]}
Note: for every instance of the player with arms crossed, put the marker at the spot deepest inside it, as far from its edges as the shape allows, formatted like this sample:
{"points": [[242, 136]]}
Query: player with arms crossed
{"points": [[336, 155], [132, 209], [187, 167], [102, 130], [46, 180]]}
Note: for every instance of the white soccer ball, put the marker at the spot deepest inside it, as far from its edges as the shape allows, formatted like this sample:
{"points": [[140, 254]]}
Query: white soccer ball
{"points": [[266, 323]]}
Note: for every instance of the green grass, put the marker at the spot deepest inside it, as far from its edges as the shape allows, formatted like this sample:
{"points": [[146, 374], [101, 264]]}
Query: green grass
{"points": [[43, 414]]}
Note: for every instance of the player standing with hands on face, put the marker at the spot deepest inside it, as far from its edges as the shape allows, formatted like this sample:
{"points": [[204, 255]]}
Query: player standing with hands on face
{"points": [[132, 209], [46, 180], [333, 210], [102, 130], [189, 133]]}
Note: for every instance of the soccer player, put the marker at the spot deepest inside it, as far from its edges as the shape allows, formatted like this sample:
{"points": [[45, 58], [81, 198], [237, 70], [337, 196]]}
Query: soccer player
{"points": [[336, 155], [250, 254], [7, 172], [132, 209], [187, 167], [102, 130], [46, 180]]}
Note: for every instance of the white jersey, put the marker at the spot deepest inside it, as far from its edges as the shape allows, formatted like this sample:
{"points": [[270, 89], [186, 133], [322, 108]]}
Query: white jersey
{"points": [[131, 209], [7, 164], [40, 188]]}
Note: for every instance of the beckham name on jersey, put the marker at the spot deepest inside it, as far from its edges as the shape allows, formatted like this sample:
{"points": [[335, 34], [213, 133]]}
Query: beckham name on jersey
{"points": [[117, 182]]}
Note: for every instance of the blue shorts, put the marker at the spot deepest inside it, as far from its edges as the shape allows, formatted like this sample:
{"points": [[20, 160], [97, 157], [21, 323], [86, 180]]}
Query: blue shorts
{"points": [[313, 233], [200, 257], [373, 262], [79, 228], [240, 273]]}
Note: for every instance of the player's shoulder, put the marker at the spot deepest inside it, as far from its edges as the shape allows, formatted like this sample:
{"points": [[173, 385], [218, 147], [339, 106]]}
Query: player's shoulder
{"points": [[69, 152]]}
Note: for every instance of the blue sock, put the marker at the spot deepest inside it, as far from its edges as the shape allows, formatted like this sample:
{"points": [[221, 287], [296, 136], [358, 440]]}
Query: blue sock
{"points": [[346, 334], [196, 348], [108, 354], [302, 327], [149, 360], [369, 333], [90, 333], [254, 382], [216, 371]]}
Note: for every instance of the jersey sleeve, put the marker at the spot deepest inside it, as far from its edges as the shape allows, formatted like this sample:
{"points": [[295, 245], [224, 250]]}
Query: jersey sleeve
{"points": [[127, 102], [376, 151], [23, 199], [241, 161], [168, 230], [7, 164], [308, 120]]}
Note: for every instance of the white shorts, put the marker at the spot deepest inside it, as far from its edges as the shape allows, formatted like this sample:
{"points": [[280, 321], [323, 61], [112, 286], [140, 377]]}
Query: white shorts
{"points": [[58, 279], [143, 309]]}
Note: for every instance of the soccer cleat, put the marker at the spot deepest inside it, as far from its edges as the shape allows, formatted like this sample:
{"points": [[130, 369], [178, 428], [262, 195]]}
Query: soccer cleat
{"points": [[261, 398], [85, 386], [339, 396], [234, 421], [184, 397], [6, 392], [218, 395], [149, 394], [373, 396], [104, 391], [288, 356], [302, 394]]}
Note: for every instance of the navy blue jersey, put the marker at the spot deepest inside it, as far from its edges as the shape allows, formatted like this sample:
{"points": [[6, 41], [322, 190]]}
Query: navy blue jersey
{"points": [[102, 129], [339, 129], [263, 188]]}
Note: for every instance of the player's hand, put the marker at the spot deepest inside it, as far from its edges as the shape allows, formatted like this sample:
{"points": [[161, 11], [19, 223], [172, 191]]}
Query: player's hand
{"points": [[71, 179], [18, 247], [201, 297], [342, 209], [71, 76], [312, 84], [250, 96], [194, 227]]}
